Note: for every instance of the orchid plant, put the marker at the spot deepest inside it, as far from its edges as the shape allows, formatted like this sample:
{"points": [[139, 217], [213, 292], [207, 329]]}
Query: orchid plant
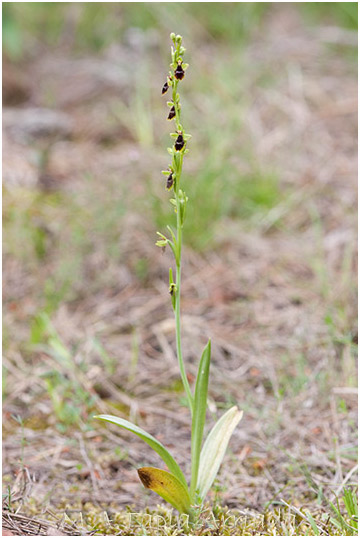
{"points": [[206, 457]]}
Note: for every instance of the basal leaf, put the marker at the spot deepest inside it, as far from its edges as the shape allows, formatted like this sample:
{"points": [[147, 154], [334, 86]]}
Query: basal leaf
{"points": [[151, 441], [199, 415], [214, 449], [167, 486]]}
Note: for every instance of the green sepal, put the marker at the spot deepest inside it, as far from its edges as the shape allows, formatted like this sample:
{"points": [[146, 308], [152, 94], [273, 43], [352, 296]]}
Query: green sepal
{"points": [[163, 241], [162, 236]]}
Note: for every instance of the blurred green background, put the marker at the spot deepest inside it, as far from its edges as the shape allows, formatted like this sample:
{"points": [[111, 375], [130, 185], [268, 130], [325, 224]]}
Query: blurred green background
{"points": [[94, 26]]}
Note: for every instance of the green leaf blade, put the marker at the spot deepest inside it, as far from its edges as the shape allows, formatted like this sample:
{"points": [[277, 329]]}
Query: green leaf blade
{"points": [[214, 449], [151, 441], [198, 422]]}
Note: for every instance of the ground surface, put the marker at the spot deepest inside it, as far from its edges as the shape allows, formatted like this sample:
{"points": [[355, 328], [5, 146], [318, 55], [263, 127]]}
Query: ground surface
{"points": [[269, 267]]}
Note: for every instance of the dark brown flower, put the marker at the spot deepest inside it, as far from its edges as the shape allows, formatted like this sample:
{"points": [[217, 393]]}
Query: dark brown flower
{"points": [[165, 88], [179, 72], [179, 143], [170, 181], [172, 113]]}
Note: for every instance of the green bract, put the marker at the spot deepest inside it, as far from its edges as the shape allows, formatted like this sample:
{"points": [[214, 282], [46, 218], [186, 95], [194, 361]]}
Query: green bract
{"points": [[205, 458]]}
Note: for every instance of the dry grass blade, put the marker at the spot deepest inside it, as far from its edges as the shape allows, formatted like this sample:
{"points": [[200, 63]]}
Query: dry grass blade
{"points": [[22, 525]]}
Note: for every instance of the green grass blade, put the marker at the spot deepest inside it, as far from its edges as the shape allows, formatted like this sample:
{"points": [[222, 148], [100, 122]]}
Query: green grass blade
{"points": [[199, 415], [312, 522], [151, 441], [167, 486], [350, 501], [214, 449]]}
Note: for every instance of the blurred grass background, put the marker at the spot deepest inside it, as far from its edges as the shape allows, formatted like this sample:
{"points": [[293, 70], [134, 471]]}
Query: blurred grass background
{"points": [[93, 27], [215, 109]]}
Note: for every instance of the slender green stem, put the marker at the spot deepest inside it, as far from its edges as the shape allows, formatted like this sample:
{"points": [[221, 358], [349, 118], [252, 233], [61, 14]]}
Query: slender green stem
{"points": [[177, 312]]}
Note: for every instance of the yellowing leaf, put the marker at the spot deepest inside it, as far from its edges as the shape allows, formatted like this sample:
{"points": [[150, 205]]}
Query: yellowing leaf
{"points": [[167, 486]]}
